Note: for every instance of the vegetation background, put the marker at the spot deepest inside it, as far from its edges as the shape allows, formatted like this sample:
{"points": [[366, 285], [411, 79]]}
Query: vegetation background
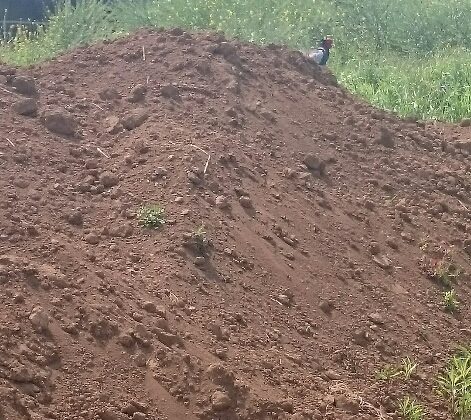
{"points": [[408, 56]]}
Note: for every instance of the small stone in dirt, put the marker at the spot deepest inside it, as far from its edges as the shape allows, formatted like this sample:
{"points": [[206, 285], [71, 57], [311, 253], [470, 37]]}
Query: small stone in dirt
{"points": [[465, 122], [126, 340], [361, 337], [222, 202], [138, 93], [467, 246], [167, 338], [220, 332], [140, 359], [75, 218], [59, 122], [92, 238], [221, 353], [200, 261], [91, 164], [220, 401], [135, 119], [283, 299], [194, 179], [332, 375], [326, 306], [137, 316], [383, 261], [369, 205], [245, 202], [391, 242], [290, 173], [139, 416], [109, 179], [108, 94], [108, 414], [374, 248], [161, 311], [386, 138], [25, 85], [39, 319], [130, 409], [150, 307], [376, 318], [27, 107], [113, 125], [347, 404], [170, 91], [159, 172], [313, 163]]}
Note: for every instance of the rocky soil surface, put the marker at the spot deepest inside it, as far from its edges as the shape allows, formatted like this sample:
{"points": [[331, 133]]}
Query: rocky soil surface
{"points": [[308, 238]]}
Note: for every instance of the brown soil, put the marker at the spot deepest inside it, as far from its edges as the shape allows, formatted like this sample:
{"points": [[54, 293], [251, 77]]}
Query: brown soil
{"points": [[324, 220]]}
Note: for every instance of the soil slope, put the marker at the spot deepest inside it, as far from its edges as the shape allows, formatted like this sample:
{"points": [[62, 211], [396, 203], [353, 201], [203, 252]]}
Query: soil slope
{"points": [[308, 238]]}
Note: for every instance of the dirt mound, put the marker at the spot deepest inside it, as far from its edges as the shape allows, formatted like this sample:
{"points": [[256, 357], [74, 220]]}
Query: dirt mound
{"points": [[305, 242]]}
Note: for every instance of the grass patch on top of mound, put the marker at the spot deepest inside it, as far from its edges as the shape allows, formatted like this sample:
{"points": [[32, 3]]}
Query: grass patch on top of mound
{"points": [[405, 56]]}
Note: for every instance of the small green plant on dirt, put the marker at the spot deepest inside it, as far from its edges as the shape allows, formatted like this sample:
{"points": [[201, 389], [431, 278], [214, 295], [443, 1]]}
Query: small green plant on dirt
{"points": [[408, 367], [152, 216], [410, 409], [388, 373], [445, 272], [450, 301], [424, 244], [405, 369], [454, 384], [200, 239], [200, 233]]}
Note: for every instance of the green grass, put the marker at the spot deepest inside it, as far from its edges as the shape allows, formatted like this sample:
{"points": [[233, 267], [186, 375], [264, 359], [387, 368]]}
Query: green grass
{"points": [[405, 56], [390, 372], [444, 271], [454, 384], [450, 301], [409, 409], [408, 367], [151, 216]]}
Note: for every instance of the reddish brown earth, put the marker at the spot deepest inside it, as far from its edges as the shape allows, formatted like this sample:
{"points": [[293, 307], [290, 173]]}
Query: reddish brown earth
{"points": [[307, 282]]}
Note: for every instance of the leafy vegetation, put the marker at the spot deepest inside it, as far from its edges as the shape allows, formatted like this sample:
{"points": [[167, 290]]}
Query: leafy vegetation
{"points": [[446, 272], [388, 373], [406, 56], [454, 384], [409, 409], [450, 301], [405, 369], [198, 241], [151, 216], [199, 235], [408, 367]]}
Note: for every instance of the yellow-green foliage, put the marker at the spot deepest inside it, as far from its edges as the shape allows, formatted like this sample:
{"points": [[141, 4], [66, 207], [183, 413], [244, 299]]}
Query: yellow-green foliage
{"points": [[411, 57]]}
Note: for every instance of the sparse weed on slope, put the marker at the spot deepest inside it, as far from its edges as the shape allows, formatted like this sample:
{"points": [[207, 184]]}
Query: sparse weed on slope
{"points": [[151, 216], [454, 384], [390, 372], [408, 367], [410, 409], [450, 301]]}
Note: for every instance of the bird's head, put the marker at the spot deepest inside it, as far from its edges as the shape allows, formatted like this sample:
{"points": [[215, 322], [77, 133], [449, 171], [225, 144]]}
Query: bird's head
{"points": [[327, 42]]}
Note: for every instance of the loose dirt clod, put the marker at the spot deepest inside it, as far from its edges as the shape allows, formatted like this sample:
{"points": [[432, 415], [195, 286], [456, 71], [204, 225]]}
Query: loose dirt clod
{"points": [[25, 85], [59, 122], [28, 107]]}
